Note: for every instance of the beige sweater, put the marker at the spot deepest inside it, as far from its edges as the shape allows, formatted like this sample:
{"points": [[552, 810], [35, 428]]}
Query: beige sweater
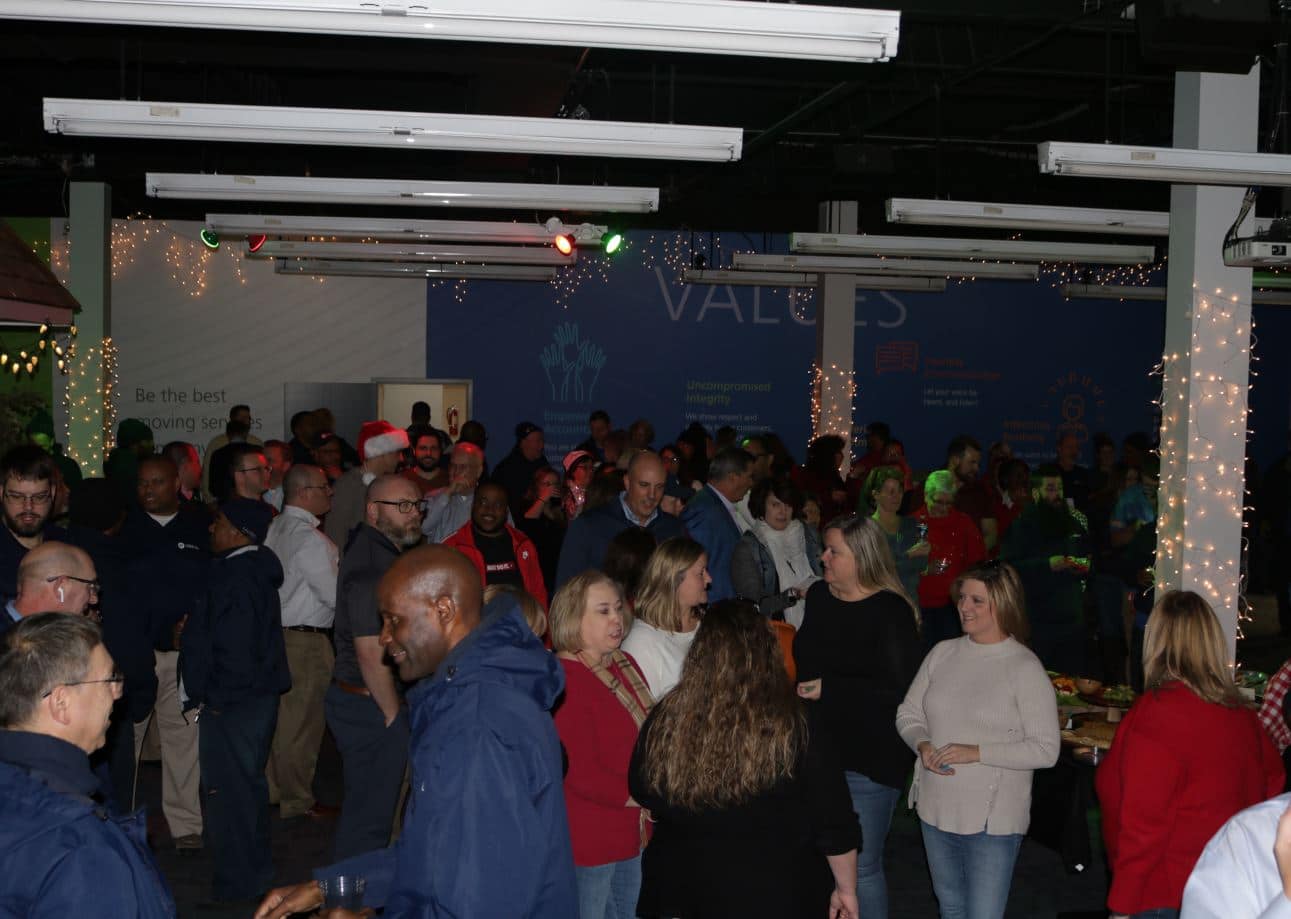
{"points": [[998, 697]]}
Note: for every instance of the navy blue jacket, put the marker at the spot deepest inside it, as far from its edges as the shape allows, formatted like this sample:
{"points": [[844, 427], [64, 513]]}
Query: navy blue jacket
{"points": [[167, 567], [126, 629], [590, 534], [61, 854], [709, 523], [485, 832], [232, 648], [11, 554]]}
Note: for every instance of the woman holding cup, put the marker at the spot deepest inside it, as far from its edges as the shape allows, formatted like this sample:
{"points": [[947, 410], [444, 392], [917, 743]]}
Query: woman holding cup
{"points": [[956, 545]]}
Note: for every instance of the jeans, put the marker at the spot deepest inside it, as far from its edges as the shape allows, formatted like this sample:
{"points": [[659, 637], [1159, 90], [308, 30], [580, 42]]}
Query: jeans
{"points": [[233, 745], [874, 804], [609, 891], [971, 872]]}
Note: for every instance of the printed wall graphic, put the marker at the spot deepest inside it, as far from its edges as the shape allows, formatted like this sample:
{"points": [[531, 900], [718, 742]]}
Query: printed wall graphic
{"points": [[572, 365]]}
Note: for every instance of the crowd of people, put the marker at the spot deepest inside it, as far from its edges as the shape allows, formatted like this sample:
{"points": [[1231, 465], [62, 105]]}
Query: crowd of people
{"points": [[688, 679]]}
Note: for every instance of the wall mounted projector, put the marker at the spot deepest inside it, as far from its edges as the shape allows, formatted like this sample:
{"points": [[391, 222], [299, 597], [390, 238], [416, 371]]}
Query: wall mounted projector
{"points": [[1271, 249]]}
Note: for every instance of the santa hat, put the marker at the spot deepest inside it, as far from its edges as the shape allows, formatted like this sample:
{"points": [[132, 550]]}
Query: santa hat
{"points": [[377, 438]]}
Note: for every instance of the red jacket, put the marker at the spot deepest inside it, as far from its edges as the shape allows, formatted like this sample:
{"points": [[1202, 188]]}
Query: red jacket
{"points": [[1178, 769], [598, 734], [526, 558]]}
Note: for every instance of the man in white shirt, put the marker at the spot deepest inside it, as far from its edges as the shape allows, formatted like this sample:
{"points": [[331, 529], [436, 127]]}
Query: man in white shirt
{"points": [[308, 596], [448, 509], [1245, 869]]}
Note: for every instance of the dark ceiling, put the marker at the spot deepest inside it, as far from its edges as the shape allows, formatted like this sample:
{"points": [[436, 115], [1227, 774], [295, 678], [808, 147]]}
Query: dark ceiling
{"points": [[956, 114]]}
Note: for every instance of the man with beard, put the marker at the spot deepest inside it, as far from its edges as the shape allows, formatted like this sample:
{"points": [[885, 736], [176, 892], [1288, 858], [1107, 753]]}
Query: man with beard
{"points": [[364, 710], [28, 488], [973, 496], [381, 445], [1049, 546], [425, 471]]}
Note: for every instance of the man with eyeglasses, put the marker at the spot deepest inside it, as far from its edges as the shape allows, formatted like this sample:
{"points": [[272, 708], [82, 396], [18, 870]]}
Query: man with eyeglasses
{"points": [[167, 542], [28, 488], [449, 509], [53, 577], [381, 445], [62, 853], [308, 596], [364, 709]]}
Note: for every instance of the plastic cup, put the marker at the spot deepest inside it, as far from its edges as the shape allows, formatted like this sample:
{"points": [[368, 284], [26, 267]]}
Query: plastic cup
{"points": [[345, 890]]}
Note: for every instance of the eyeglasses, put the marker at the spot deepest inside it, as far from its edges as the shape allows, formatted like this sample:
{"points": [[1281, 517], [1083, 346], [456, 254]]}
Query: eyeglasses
{"points": [[40, 499], [116, 679], [93, 586], [253, 469], [405, 507]]}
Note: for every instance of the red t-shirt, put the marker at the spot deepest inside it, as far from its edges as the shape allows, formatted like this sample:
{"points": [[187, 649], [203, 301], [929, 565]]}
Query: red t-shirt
{"points": [[598, 734], [955, 538]]}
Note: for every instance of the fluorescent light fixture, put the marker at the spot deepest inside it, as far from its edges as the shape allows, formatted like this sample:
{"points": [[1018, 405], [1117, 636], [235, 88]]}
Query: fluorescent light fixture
{"points": [[828, 264], [387, 252], [465, 231], [402, 130], [1165, 164], [1027, 217], [725, 276], [936, 247], [1130, 292], [403, 192], [801, 31], [341, 268]]}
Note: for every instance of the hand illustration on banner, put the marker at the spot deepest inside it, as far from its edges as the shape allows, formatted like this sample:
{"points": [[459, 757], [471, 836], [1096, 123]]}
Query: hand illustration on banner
{"points": [[565, 359]]}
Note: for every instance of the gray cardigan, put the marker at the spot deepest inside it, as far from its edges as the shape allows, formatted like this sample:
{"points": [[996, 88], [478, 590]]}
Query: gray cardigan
{"points": [[753, 571]]}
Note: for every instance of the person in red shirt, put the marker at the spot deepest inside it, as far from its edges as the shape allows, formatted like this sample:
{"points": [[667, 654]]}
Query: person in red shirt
{"points": [[956, 547], [500, 552], [606, 702], [1188, 756]]}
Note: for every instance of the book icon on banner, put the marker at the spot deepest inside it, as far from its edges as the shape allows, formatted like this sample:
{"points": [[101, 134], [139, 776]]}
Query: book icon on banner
{"points": [[572, 364]]}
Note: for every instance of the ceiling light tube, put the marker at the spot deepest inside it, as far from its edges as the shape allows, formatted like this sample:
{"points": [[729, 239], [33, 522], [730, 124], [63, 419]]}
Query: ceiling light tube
{"points": [[403, 192], [1027, 217], [386, 252], [784, 30], [341, 268], [402, 130], [827, 264], [726, 276], [937, 247], [464, 231], [1130, 292], [1165, 164]]}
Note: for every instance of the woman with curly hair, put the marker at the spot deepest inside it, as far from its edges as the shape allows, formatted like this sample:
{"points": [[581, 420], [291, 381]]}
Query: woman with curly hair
{"points": [[673, 591], [752, 815]]}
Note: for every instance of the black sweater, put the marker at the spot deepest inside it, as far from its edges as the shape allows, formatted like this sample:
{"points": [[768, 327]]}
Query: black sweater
{"points": [[865, 654]]}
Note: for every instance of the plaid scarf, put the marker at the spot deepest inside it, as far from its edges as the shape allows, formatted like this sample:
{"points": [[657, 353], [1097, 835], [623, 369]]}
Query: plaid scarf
{"points": [[634, 696]]}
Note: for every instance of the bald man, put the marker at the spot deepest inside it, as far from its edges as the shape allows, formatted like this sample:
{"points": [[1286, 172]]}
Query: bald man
{"points": [[362, 706], [52, 578], [589, 535], [485, 833]]}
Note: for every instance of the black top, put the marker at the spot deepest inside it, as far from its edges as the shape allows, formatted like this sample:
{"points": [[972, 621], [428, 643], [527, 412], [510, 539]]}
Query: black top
{"points": [[865, 653], [765, 857], [368, 556], [499, 557], [547, 536]]}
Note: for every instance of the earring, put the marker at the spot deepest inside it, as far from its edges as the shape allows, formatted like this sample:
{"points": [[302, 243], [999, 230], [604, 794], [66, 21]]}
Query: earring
{"points": [[60, 595]]}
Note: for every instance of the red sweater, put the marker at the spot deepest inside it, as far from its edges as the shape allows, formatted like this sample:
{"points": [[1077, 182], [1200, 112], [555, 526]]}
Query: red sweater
{"points": [[526, 558], [956, 538], [598, 734], [1178, 769]]}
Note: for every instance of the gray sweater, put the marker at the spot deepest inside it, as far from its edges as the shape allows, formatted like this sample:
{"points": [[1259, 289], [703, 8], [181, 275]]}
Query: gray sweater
{"points": [[998, 697]]}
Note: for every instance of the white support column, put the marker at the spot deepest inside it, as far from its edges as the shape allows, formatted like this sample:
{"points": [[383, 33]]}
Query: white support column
{"points": [[1207, 357], [834, 388], [90, 281]]}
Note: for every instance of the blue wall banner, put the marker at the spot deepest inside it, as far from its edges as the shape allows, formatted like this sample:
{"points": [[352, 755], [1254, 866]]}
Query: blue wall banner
{"points": [[1007, 361]]}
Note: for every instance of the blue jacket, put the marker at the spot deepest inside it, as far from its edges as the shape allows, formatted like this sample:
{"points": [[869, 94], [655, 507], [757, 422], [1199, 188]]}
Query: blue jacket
{"points": [[709, 523], [232, 648], [167, 567], [589, 536], [485, 832], [61, 854]]}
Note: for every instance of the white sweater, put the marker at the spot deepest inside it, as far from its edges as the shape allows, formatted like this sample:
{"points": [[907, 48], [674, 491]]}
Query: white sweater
{"points": [[998, 697], [658, 654]]}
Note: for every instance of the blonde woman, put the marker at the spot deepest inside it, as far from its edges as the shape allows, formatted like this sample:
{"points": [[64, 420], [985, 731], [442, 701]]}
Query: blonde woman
{"points": [[752, 817], [606, 701], [857, 651], [673, 590], [982, 717], [1187, 756]]}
